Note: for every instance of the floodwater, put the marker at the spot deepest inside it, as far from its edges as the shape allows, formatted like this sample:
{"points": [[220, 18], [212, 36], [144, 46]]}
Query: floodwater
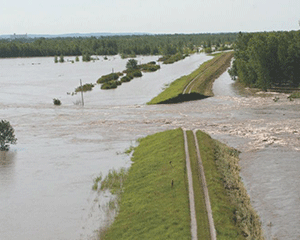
{"points": [[46, 179]]}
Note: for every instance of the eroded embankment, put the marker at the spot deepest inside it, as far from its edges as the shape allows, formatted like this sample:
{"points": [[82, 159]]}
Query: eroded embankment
{"points": [[155, 203], [198, 84], [233, 214]]}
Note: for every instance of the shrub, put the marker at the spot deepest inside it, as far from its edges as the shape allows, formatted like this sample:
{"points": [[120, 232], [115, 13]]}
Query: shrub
{"points": [[126, 79], [208, 50], [6, 135], [108, 77], [61, 59], [295, 95], [168, 59], [56, 102], [110, 85], [85, 87], [137, 73], [132, 73], [149, 67]]}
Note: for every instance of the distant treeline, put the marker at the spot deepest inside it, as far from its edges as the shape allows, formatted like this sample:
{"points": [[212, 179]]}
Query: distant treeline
{"points": [[112, 45], [269, 59]]}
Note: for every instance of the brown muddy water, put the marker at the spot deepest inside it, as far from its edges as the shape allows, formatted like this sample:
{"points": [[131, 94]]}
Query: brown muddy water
{"points": [[46, 179]]}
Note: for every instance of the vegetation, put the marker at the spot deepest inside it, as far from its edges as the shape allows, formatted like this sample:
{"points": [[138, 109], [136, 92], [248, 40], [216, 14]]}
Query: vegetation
{"points": [[234, 217], [269, 59], [169, 59], [149, 67], [56, 59], [295, 95], [85, 87], [153, 194], [61, 59], [114, 181], [132, 73], [86, 57], [132, 64], [97, 181], [150, 207], [56, 102], [109, 77], [123, 56], [133, 70], [126, 78], [208, 50], [202, 80], [7, 135], [111, 85], [167, 44]]}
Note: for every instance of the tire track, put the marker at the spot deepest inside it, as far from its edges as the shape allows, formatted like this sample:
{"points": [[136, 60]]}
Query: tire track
{"points": [[212, 229], [191, 189], [195, 78]]}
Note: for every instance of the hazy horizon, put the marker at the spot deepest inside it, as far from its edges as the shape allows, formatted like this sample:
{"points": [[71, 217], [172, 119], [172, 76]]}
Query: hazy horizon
{"points": [[153, 17]]}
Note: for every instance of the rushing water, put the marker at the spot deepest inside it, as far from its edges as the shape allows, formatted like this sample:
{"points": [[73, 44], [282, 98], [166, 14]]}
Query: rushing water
{"points": [[46, 179]]}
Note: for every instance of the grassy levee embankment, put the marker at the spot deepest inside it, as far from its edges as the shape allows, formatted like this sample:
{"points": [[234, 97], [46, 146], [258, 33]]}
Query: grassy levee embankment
{"points": [[201, 212], [202, 78], [150, 207], [233, 215]]}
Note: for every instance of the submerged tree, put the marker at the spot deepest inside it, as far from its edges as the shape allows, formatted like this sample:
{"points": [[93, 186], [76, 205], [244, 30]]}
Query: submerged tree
{"points": [[7, 135], [132, 64], [61, 58]]}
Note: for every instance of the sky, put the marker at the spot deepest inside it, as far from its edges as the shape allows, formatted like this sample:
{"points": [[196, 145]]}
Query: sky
{"points": [[147, 16]]}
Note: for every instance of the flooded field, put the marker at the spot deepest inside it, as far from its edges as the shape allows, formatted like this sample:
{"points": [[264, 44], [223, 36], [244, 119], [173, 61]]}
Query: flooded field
{"points": [[46, 179]]}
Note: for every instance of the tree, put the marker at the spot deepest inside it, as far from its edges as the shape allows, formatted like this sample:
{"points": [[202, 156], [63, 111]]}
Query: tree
{"points": [[6, 135], [61, 58], [131, 64]]}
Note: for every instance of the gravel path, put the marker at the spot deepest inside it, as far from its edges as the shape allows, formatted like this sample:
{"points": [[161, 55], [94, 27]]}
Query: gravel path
{"points": [[212, 229], [191, 189]]}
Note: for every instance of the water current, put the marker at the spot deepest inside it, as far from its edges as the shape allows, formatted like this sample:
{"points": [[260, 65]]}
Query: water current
{"points": [[46, 179]]}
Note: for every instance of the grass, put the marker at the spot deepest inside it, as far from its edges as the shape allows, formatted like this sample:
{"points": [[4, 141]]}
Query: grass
{"points": [[97, 180], [233, 215], [129, 150], [201, 212], [202, 86], [114, 181], [150, 207], [295, 95]]}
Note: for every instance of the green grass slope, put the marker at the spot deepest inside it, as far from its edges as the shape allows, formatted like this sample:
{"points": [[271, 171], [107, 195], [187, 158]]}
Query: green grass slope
{"points": [[150, 207], [233, 215], [201, 87]]}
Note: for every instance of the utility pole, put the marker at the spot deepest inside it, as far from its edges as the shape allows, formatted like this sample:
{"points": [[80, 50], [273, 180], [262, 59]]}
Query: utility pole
{"points": [[81, 93]]}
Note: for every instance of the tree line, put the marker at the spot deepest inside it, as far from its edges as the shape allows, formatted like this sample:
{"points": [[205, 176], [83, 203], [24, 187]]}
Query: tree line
{"points": [[268, 59], [165, 44]]}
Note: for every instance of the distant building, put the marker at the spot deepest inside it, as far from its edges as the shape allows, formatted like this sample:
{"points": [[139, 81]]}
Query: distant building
{"points": [[19, 36]]}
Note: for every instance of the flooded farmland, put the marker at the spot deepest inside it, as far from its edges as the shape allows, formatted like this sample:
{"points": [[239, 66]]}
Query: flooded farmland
{"points": [[46, 179]]}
